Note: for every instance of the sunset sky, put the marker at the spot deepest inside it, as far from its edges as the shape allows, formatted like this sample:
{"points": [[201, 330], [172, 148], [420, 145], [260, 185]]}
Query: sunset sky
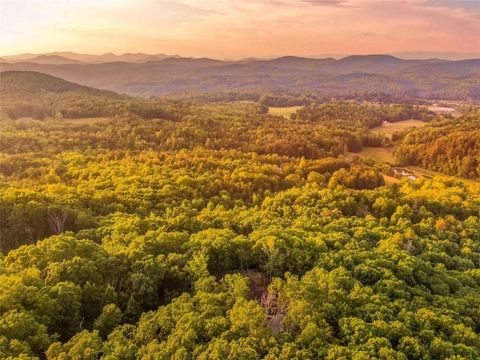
{"points": [[228, 28]]}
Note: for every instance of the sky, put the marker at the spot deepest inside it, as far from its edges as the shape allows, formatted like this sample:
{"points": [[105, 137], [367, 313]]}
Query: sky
{"points": [[239, 28]]}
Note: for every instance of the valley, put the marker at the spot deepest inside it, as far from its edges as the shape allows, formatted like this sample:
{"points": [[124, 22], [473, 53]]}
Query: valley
{"points": [[235, 225], [240, 180]]}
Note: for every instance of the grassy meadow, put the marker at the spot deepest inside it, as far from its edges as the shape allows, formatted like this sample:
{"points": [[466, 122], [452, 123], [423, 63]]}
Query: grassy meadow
{"points": [[377, 154], [388, 128], [283, 111]]}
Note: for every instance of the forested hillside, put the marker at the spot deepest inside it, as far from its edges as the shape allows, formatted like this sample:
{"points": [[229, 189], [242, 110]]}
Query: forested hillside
{"points": [[40, 96], [187, 229], [450, 146]]}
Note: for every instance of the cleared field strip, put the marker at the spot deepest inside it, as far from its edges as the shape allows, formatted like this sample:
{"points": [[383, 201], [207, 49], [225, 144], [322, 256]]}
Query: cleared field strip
{"points": [[86, 121], [283, 111], [388, 128], [376, 153]]}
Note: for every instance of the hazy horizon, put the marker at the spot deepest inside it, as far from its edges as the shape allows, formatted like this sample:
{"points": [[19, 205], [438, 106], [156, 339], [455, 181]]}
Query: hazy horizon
{"points": [[406, 55], [226, 29]]}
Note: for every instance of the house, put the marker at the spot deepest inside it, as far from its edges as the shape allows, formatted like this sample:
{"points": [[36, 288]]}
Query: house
{"points": [[401, 173]]}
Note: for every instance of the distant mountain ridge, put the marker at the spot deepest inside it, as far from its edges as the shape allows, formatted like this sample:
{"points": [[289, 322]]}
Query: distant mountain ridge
{"points": [[443, 55], [432, 78], [144, 57], [53, 60], [69, 57]]}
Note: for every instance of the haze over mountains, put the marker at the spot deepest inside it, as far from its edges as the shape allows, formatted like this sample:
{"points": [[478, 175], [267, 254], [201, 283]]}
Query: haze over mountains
{"points": [[67, 57], [16, 84], [144, 74]]}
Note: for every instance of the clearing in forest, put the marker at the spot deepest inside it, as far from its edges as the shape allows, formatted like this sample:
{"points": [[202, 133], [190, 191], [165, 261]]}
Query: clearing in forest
{"points": [[376, 153], [85, 121], [283, 111], [388, 128]]}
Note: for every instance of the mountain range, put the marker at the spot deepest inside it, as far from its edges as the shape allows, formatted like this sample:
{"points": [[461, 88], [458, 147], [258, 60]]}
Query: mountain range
{"points": [[430, 78], [68, 57]]}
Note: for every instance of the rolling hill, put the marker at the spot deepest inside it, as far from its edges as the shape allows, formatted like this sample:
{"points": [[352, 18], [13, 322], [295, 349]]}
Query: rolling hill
{"points": [[37, 95], [18, 83], [49, 60], [433, 78]]}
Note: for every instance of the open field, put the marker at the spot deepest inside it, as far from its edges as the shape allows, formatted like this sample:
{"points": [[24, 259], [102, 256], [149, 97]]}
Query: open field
{"points": [[388, 128], [441, 109], [389, 180], [376, 153], [425, 172], [283, 111], [86, 121]]}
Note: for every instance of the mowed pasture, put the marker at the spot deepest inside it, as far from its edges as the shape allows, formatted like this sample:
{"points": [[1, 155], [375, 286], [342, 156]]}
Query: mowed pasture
{"points": [[376, 153], [390, 180], [283, 111], [388, 128], [85, 121]]}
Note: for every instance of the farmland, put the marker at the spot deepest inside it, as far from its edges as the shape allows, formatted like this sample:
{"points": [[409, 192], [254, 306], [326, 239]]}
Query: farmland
{"points": [[377, 154], [283, 111], [388, 128]]}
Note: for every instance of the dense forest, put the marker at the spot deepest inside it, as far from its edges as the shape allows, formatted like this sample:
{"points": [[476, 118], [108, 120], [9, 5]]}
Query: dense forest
{"points": [[449, 146], [198, 229]]}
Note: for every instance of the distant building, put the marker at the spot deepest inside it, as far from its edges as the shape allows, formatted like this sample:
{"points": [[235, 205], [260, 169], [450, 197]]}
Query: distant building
{"points": [[401, 173]]}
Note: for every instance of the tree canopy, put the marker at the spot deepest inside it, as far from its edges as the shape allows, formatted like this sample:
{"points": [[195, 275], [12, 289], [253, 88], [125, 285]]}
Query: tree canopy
{"points": [[223, 232]]}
